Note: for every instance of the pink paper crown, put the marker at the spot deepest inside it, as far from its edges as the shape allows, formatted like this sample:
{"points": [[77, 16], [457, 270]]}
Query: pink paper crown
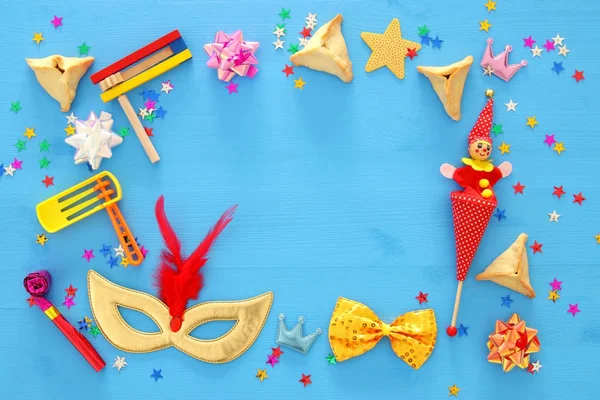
{"points": [[499, 64]]}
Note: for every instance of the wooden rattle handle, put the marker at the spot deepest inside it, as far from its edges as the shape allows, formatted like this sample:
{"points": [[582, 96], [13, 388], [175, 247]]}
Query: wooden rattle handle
{"points": [[138, 128]]}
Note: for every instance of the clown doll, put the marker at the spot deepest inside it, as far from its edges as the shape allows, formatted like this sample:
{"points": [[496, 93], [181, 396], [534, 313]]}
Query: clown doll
{"points": [[472, 207]]}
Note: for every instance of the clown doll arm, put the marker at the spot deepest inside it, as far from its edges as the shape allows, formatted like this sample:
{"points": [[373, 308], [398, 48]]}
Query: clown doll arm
{"points": [[505, 168], [447, 170]]}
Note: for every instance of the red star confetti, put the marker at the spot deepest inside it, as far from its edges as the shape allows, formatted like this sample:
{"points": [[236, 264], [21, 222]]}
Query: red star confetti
{"points": [[288, 70], [578, 198], [276, 351], [558, 191], [31, 301], [422, 297], [537, 247], [305, 32], [412, 53], [518, 188], [71, 291], [305, 380], [149, 131], [578, 76], [49, 181]]}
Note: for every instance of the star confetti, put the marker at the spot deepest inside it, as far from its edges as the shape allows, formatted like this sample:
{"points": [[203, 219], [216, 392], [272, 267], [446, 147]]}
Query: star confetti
{"points": [[528, 42], [462, 330], [288, 70], [262, 374], [119, 363], [519, 188], [504, 148], [94, 331], [303, 41], [558, 191], [453, 390], [278, 44], [48, 181], [299, 83], [124, 132], [41, 239], [45, 146], [31, 301], [425, 39], [423, 30], [563, 51], [166, 87], [272, 360], [148, 131], [506, 301], [150, 117], [124, 262], [70, 130], [9, 170], [119, 251], [83, 325], [71, 118], [484, 25], [549, 45], [160, 113], [293, 48], [411, 53], [535, 367], [536, 247], [490, 5], [113, 261], [37, 37], [232, 87], [549, 140], [487, 70], [553, 216], [511, 106], [88, 254], [532, 122], [57, 21], [144, 251], [436, 43], [44, 163], [305, 380], [578, 76], [83, 49], [21, 145], [597, 237], [284, 14], [105, 250], [558, 41], [156, 374], [279, 32], [553, 295], [422, 297], [500, 214], [276, 351], [305, 32], [536, 51], [578, 198], [497, 129], [331, 359], [573, 309], [17, 164], [15, 106], [152, 96], [558, 68], [29, 133], [68, 302], [559, 147]]}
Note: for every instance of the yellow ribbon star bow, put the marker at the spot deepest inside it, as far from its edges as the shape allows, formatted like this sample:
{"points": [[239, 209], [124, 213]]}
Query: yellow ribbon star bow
{"points": [[355, 329]]}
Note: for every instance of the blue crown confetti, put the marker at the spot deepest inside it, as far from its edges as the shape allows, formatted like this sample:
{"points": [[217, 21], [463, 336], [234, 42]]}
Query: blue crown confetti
{"points": [[293, 338]]}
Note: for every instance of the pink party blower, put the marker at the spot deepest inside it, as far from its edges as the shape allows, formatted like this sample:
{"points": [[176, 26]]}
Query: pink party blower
{"points": [[37, 284]]}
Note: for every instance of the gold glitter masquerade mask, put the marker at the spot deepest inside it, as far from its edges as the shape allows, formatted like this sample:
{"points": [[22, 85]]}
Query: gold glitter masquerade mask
{"points": [[355, 329], [106, 297]]}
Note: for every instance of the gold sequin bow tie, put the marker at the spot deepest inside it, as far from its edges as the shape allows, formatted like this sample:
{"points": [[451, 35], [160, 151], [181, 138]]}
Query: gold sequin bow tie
{"points": [[355, 329]]}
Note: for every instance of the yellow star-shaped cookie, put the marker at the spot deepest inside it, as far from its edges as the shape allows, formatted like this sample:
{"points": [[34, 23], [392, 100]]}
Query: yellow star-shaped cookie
{"points": [[504, 148], [388, 49]]}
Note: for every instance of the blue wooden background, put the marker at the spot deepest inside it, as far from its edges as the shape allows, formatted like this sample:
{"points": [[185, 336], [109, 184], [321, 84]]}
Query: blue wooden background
{"points": [[338, 189]]}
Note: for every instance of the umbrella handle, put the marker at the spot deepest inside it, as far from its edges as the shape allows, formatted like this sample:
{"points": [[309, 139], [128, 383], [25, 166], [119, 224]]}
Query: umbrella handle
{"points": [[451, 331]]}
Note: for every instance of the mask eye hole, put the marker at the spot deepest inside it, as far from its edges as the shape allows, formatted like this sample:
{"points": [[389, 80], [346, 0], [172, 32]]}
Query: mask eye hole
{"points": [[138, 320], [212, 330]]}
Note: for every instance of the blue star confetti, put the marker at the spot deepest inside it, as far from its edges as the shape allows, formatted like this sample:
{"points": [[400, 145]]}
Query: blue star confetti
{"points": [[436, 43], [506, 301], [144, 94], [425, 39], [156, 374], [2, 169], [151, 95], [500, 214], [160, 113], [558, 68], [462, 330], [113, 261], [105, 250], [83, 325]]}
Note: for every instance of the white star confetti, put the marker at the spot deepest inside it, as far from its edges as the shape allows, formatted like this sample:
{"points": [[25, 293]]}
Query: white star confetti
{"points": [[311, 18], [9, 170], [536, 366], [278, 44], [562, 50], [553, 216], [143, 112], [119, 250], [311, 25], [536, 51], [303, 41], [119, 363], [279, 32], [511, 106], [558, 40], [71, 118], [166, 86], [488, 70]]}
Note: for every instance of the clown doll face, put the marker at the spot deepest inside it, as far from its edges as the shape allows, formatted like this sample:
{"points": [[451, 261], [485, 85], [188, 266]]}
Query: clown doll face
{"points": [[480, 150]]}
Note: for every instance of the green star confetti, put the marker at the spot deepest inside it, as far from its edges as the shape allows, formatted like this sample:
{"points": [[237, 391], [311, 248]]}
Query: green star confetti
{"points": [[293, 48], [44, 163], [284, 14], [45, 146], [94, 331], [124, 132], [150, 117], [21, 145], [15, 106], [331, 359], [281, 26], [423, 30], [497, 129], [83, 49]]}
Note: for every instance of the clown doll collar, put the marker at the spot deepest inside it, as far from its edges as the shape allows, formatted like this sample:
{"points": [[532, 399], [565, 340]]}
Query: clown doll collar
{"points": [[479, 165]]}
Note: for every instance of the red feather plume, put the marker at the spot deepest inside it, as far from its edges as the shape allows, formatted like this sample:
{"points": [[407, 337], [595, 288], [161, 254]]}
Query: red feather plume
{"points": [[177, 278]]}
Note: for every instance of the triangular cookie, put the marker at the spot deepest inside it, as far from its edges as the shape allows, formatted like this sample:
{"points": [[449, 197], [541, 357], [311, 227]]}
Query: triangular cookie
{"points": [[511, 268], [59, 76], [449, 82], [326, 51]]}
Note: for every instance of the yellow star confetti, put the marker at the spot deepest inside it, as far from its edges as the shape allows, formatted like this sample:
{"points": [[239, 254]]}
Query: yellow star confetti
{"points": [[553, 295], [29, 133], [491, 5], [87, 320], [41, 239], [125, 262], [504, 148], [597, 238], [299, 83], [559, 147], [262, 374], [484, 25], [453, 390], [388, 49], [70, 130], [531, 121], [37, 37]]}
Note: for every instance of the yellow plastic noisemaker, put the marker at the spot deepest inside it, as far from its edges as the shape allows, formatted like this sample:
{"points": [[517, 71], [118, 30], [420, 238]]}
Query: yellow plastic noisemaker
{"points": [[99, 192]]}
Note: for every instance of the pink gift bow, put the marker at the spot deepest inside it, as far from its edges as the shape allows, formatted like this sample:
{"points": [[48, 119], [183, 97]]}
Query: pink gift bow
{"points": [[231, 56]]}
